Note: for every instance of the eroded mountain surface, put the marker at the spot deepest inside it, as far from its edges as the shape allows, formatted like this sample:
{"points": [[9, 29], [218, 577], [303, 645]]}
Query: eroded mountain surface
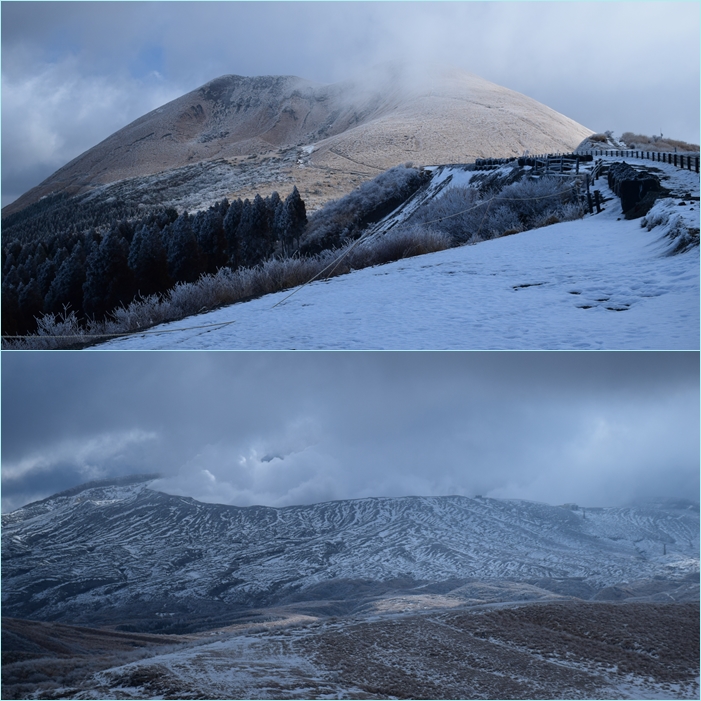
{"points": [[148, 561]]}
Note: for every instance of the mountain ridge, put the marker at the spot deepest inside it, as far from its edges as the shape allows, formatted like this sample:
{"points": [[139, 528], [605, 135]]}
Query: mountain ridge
{"points": [[130, 555]]}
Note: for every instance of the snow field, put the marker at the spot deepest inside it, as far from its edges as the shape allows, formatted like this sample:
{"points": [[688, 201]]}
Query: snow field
{"points": [[597, 283]]}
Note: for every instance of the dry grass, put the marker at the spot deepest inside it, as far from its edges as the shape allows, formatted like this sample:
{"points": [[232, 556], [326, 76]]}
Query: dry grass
{"points": [[571, 649], [39, 659], [554, 650], [656, 143]]}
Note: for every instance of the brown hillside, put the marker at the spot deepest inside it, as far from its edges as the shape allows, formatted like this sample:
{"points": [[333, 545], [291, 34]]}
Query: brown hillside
{"points": [[346, 132]]}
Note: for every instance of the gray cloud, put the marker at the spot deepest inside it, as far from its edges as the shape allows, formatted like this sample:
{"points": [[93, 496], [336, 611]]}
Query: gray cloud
{"points": [[291, 428], [75, 72]]}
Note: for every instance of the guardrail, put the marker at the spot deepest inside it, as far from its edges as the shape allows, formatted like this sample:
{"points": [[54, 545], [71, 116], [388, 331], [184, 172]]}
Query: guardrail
{"points": [[562, 162], [681, 160]]}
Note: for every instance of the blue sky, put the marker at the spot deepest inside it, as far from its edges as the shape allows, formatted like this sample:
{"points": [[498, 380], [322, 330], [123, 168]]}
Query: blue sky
{"points": [[75, 72], [594, 428]]}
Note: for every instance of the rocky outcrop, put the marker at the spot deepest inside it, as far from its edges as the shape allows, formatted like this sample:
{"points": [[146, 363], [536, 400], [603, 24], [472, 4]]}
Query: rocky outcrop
{"points": [[638, 189]]}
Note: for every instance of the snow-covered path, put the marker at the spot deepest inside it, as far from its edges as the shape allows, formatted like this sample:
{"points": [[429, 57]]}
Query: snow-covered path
{"points": [[597, 283]]}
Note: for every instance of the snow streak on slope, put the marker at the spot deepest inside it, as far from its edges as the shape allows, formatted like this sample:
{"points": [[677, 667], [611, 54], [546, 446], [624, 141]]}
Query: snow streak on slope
{"points": [[116, 553], [597, 283]]}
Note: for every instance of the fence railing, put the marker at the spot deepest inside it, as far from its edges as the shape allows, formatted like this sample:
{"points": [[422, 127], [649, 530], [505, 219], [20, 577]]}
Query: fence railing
{"points": [[562, 162], [681, 160]]}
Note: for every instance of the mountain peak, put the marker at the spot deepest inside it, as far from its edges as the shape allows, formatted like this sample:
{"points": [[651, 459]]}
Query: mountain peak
{"points": [[351, 130], [125, 481]]}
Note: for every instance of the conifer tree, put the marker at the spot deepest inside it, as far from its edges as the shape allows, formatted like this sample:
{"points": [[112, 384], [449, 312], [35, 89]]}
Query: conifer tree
{"points": [[10, 309], [294, 219], [148, 261], [46, 273], [108, 280], [31, 305], [231, 225], [66, 290], [209, 231], [254, 233], [185, 260]]}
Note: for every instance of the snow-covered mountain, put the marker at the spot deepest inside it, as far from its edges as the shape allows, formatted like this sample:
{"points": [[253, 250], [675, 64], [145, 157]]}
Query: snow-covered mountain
{"points": [[130, 555]]}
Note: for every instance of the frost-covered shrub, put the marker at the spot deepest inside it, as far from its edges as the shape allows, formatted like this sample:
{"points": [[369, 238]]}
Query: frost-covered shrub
{"points": [[533, 201], [344, 219], [459, 213], [399, 243], [501, 220], [53, 331], [467, 215], [656, 143]]}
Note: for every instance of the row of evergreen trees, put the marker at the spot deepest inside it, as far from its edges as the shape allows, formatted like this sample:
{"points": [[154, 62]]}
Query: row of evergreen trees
{"points": [[94, 272]]}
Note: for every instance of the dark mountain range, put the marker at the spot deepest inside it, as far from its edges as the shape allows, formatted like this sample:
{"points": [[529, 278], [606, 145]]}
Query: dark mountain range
{"points": [[143, 560]]}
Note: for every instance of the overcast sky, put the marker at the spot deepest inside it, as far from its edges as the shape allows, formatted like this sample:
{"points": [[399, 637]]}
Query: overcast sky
{"points": [[298, 428], [74, 73]]}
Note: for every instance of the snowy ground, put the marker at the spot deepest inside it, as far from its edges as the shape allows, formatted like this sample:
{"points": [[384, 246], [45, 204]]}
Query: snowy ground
{"points": [[597, 283]]}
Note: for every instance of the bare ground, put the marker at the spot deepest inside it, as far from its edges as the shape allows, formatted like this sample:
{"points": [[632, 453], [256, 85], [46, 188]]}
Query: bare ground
{"points": [[567, 649], [554, 650]]}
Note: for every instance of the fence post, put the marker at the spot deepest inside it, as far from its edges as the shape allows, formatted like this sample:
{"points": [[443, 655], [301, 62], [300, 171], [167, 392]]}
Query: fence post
{"points": [[591, 208], [597, 199]]}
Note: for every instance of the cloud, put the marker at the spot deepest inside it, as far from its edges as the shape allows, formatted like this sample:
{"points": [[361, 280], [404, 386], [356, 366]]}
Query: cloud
{"points": [[57, 113], [107, 454], [73, 73], [276, 468], [615, 454], [295, 428]]}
